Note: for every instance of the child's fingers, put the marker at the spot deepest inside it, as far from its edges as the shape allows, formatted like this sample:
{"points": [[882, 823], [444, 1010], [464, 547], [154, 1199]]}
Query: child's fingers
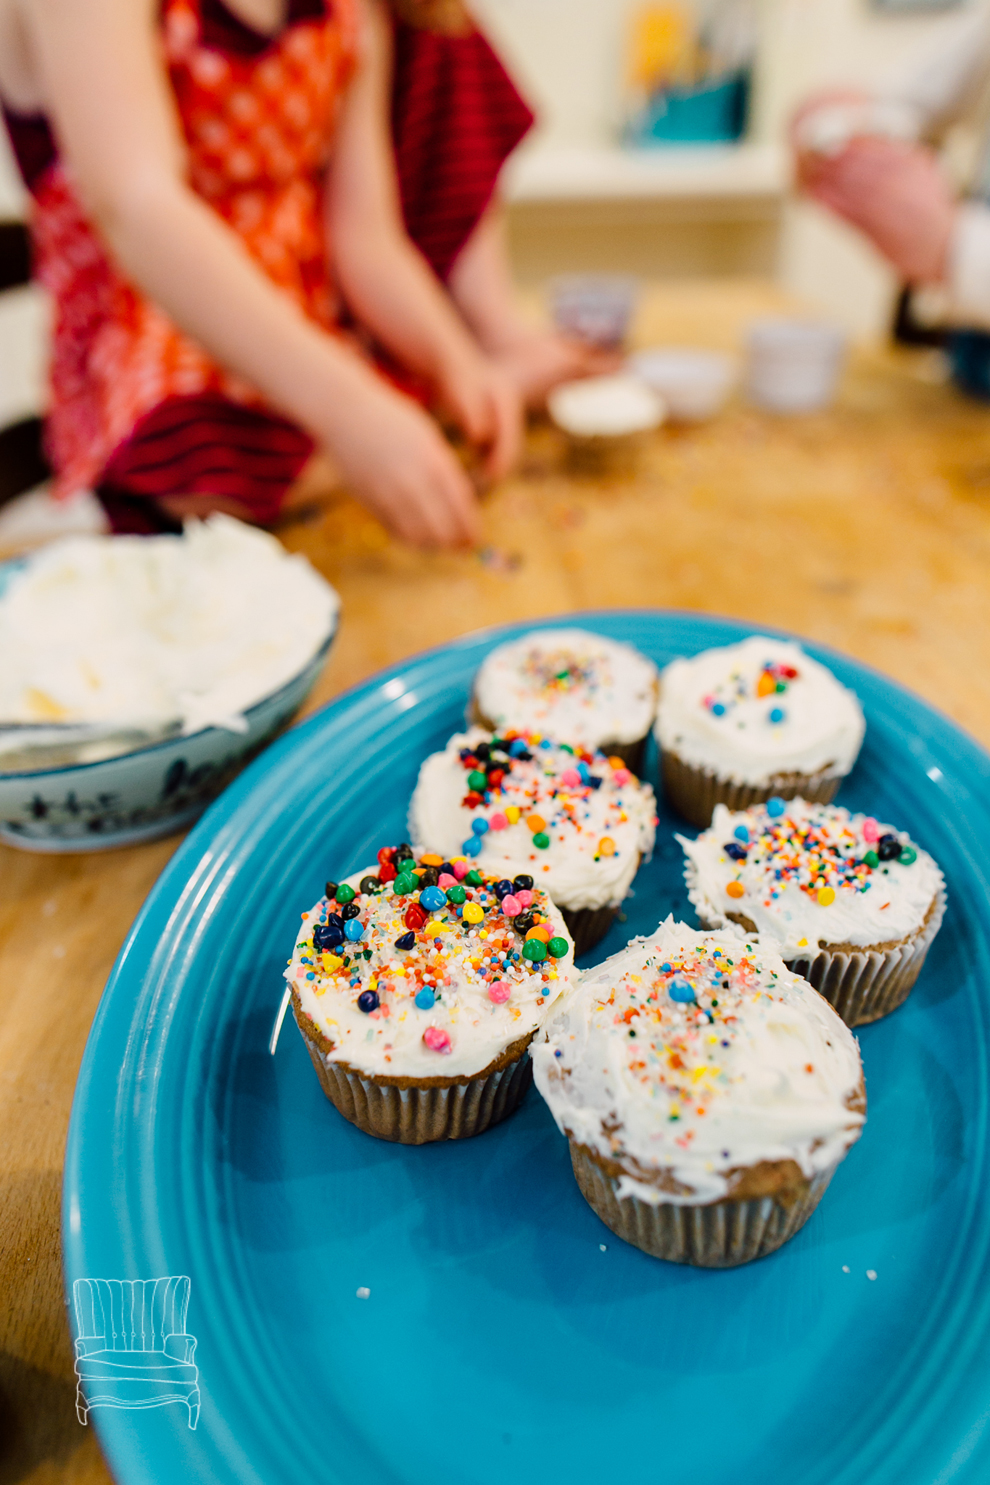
{"points": [[507, 430], [441, 506]]}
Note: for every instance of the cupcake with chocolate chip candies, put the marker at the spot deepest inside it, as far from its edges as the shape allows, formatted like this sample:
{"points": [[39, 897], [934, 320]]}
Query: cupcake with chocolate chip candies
{"points": [[418, 986], [740, 724], [850, 904], [578, 824], [568, 683], [708, 1094]]}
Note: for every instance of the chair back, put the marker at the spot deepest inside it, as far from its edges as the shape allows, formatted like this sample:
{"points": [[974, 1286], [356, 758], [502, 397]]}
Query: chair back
{"points": [[131, 1314]]}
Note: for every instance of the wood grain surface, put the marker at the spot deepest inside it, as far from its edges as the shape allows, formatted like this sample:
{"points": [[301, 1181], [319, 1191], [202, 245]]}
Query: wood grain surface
{"points": [[867, 527]]}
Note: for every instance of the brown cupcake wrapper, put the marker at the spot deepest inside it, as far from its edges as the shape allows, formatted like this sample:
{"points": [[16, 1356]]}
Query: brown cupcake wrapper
{"points": [[633, 754], [866, 984], [587, 926], [419, 1115], [694, 792], [722, 1234]]}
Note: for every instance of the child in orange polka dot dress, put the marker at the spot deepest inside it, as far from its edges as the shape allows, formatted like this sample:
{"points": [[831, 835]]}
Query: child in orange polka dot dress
{"points": [[223, 187]]}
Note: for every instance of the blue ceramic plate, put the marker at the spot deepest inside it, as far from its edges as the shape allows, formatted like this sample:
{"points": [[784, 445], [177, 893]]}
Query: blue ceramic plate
{"points": [[508, 1335]]}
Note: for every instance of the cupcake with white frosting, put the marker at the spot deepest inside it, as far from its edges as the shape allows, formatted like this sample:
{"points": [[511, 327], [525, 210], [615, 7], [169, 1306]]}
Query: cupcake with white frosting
{"points": [[708, 1094], [575, 821], [418, 986], [850, 904], [595, 692], [740, 724]]}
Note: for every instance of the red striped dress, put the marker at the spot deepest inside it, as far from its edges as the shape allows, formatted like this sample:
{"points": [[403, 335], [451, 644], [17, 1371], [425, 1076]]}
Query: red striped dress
{"points": [[137, 410]]}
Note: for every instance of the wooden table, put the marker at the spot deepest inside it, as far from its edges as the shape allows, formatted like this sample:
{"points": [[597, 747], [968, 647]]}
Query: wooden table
{"points": [[867, 528]]}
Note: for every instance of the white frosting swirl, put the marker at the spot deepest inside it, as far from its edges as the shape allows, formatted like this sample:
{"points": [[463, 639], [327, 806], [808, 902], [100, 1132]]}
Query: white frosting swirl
{"points": [[754, 710], [811, 876], [757, 1067], [461, 962], [594, 837], [152, 630], [569, 683]]}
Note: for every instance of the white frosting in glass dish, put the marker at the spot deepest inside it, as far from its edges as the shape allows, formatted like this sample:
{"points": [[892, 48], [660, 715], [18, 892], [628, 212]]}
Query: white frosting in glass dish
{"points": [[578, 823], [690, 1057], [451, 999], [571, 684], [810, 876], [151, 630], [752, 711]]}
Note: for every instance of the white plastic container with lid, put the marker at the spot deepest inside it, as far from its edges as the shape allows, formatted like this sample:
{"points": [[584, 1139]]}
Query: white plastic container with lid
{"points": [[793, 366]]}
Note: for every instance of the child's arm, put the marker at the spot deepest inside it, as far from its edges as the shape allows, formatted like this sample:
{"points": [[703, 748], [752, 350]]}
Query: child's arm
{"points": [[106, 90], [537, 360], [388, 284]]}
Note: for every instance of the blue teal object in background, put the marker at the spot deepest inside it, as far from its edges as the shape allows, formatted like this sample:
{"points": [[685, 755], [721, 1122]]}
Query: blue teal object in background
{"points": [[969, 357], [714, 114], [508, 1335]]}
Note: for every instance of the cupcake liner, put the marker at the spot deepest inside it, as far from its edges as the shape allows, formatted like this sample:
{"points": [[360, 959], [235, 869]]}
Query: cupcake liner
{"points": [[865, 984], [587, 926], [694, 792], [633, 754], [411, 1112], [722, 1234], [598, 455]]}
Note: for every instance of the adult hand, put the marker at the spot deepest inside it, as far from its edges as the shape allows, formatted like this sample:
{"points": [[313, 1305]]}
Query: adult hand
{"points": [[897, 195], [808, 160], [396, 462]]}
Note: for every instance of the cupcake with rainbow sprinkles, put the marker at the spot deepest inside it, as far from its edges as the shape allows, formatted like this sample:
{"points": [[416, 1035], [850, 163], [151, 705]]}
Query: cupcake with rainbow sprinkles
{"points": [[851, 904], [593, 691], [418, 985], [708, 1094], [739, 724], [577, 822]]}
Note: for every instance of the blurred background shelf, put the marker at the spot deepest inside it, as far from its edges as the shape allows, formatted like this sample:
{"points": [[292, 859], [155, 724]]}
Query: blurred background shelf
{"points": [[549, 172], [690, 211]]}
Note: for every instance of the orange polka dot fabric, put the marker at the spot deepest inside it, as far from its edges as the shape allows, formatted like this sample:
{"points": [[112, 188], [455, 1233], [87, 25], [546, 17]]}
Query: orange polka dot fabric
{"points": [[259, 131]]}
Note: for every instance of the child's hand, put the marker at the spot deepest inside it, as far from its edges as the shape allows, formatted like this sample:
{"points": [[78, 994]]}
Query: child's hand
{"points": [[397, 463], [540, 361], [486, 405]]}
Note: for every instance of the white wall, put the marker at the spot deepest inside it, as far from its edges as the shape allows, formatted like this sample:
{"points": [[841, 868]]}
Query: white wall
{"points": [[569, 57]]}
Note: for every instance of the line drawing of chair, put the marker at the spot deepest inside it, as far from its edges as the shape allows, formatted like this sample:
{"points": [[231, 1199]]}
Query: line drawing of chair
{"points": [[132, 1350]]}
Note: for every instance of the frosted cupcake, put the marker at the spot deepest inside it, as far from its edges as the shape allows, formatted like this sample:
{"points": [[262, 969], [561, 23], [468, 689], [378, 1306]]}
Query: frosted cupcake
{"points": [[418, 988], [568, 683], [850, 904], [755, 719], [708, 1094], [576, 822]]}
